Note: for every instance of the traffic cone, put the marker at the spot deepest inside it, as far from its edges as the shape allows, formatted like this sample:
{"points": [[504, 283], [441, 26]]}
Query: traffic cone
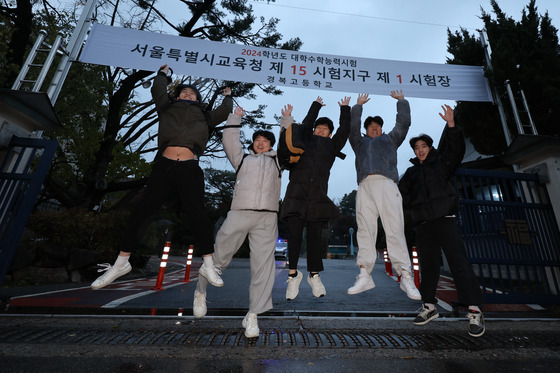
{"points": [[163, 263], [189, 263], [416, 267]]}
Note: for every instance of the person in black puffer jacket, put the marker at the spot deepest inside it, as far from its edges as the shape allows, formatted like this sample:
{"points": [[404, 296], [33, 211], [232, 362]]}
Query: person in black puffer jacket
{"points": [[306, 203], [431, 202]]}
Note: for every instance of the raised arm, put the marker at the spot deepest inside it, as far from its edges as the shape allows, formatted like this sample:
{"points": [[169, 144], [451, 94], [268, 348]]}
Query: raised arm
{"points": [[219, 114], [286, 119], [313, 113], [231, 137], [356, 120], [451, 147], [341, 135], [159, 88], [402, 125]]}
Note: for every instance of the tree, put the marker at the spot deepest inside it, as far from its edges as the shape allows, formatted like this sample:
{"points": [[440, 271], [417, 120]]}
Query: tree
{"points": [[526, 53], [108, 125]]}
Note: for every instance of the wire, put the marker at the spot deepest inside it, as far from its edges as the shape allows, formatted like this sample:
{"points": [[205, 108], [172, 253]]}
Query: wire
{"points": [[365, 16]]}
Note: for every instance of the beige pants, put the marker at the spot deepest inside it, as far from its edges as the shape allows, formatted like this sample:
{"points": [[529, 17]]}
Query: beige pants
{"points": [[262, 228], [379, 196]]}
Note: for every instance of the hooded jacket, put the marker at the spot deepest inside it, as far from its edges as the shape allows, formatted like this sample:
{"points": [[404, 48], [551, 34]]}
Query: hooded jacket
{"points": [[427, 188], [379, 155], [257, 186], [306, 194], [184, 123]]}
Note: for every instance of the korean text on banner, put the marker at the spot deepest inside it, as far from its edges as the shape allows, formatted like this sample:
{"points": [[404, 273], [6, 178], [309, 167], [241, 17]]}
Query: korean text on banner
{"points": [[127, 48]]}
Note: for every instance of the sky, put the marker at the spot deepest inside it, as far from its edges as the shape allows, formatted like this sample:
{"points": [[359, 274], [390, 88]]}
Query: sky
{"points": [[403, 30]]}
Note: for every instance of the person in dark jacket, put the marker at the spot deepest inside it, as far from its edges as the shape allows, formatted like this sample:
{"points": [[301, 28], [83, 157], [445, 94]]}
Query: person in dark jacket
{"points": [[182, 136], [306, 203], [431, 202]]}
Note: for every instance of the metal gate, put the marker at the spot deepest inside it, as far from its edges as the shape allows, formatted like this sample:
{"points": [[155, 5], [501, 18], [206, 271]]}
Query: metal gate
{"points": [[511, 235], [21, 176]]}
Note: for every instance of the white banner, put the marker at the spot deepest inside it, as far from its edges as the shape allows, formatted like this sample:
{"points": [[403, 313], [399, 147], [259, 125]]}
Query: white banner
{"points": [[127, 48]]}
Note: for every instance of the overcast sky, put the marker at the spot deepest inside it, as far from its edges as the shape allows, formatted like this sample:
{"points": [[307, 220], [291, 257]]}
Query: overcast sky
{"points": [[404, 30]]}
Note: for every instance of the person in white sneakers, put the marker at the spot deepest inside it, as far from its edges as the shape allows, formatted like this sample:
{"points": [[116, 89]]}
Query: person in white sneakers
{"points": [[378, 194], [306, 203], [183, 131], [431, 201], [253, 212]]}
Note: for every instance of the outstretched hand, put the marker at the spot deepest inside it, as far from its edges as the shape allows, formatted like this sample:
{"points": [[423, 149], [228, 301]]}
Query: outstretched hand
{"points": [[345, 101], [447, 115], [164, 68], [397, 94], [239, 111], [287, 110], [320, 100], [226, 91], [363, 98]]}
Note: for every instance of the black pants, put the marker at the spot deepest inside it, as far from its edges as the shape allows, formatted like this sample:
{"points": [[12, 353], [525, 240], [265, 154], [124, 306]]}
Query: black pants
{"points": [[433, 237], [184, 179], [295, 227]]}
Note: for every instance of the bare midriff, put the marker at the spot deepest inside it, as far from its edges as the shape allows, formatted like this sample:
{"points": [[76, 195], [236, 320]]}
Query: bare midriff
{"points": [[178, 153]]}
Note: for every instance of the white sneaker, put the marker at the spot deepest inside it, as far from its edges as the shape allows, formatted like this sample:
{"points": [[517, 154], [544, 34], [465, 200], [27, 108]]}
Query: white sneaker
{"points": [[111, 274], [251, 326], [316, 286], [293, 286], [212, 274], [363, 283], [407, 285], [199, 305]]}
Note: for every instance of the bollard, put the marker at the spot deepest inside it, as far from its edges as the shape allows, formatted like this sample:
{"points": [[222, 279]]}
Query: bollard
{"points": [[163, 262], [189, 262], [388, 266], [416, 267]]}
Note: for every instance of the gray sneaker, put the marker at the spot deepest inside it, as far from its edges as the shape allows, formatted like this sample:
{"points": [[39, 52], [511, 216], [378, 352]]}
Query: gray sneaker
{"points": [[251, 325], [363, 283], [425, 316], [293, 286], [212, 274], [199, 305], [111, 274], [476, 323], [316, 285]]}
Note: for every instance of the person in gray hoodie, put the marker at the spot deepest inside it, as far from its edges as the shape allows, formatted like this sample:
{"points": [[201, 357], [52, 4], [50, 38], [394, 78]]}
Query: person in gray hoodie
{"points": [[253, 212], [378, 194]]}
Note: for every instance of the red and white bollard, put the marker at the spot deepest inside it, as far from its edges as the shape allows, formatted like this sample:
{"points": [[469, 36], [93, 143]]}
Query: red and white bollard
{"points": [[388, 265], [189, 263], [163, 264], [416, 267]]}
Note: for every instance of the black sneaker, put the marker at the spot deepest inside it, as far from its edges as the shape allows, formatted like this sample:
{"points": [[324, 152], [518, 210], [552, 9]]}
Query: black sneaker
{"points": [[476, 323], [426, 316]]}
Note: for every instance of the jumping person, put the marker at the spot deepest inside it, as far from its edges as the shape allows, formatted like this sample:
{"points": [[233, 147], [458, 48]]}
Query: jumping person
{"points": [[183, 133], [253, 212], [306, 203], [378, 194], [431, 201]]}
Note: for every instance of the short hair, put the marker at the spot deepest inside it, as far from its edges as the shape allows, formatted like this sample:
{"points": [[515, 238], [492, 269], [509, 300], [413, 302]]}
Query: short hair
{"points": [[324, 121], [180, 87], [421, 137], [377, 119], [266, 134]]}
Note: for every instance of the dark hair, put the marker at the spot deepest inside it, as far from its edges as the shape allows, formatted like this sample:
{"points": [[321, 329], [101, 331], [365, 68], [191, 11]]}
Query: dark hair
{"points": [[180, 87], [266, 134], [377, 119], [421, 137], [324, 121]]}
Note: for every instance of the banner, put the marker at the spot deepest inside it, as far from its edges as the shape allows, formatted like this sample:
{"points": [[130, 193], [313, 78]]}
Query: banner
{"points": [[127, 48]]}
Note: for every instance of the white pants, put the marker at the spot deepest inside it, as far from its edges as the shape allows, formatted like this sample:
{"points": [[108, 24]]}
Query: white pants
{"points": [[379, 196], [262, 228]]}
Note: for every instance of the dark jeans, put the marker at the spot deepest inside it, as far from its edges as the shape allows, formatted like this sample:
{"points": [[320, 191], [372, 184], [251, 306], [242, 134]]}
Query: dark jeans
{"points": [[295, 227], [184, 179], [431, 238]]}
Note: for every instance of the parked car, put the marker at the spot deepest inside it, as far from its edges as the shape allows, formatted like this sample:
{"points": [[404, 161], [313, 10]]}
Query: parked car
{"points": [[281, 251]]}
